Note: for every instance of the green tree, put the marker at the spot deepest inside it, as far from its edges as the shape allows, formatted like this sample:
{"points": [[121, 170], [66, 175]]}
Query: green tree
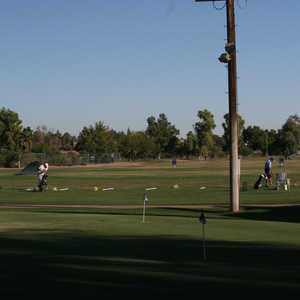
{"points": [[145, 145], [191, 145], [27, 136], [286, 140], [10, 130], [242, 147], [204, 131], [14, 139], [67, 141], [255, 138], [272, 142], [164, 134], [127, 145], [45, 141], [288, 143], [38, 140], [136, 145], [290, 133], [96, 140], [218, 145], [53, 140]]}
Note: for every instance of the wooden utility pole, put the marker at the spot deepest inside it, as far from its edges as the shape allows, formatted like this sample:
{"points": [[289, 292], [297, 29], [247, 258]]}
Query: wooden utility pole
{"points": [[230, 59]]}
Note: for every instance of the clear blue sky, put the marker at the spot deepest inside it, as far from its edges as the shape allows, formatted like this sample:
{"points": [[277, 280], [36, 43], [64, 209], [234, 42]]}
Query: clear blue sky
{"points": [[67, 64]]}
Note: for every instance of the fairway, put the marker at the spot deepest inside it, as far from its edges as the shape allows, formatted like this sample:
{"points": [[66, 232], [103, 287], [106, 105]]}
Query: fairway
{"points": [[85, 243], [200, 183]]}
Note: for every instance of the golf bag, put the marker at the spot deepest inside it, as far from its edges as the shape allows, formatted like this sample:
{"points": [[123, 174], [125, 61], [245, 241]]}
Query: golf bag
{"points": [[261, 179], [43, 185]]}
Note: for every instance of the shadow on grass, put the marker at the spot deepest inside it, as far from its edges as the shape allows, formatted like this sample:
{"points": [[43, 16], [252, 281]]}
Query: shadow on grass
{"points": [[164, 212], [281, 214], [167, 212], [69, 264]]}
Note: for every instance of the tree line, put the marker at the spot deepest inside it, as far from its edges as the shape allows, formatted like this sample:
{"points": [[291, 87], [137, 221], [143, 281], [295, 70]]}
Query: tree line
{"points": [[160, 139]]}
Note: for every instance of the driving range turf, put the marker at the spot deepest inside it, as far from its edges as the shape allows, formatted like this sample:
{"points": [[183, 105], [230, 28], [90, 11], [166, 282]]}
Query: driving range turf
{"points": [[83, 244]]}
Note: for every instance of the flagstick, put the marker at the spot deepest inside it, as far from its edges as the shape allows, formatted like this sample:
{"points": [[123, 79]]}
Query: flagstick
{"points": [[204, 247], [202, 220], [144, 211]]}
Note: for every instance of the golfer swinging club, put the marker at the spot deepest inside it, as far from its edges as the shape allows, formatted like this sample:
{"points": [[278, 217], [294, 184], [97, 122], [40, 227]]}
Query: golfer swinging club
{"points": [[42, 171], [268, 170]]}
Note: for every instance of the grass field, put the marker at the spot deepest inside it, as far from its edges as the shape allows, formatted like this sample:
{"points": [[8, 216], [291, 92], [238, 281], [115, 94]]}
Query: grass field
{"points": [[54, 250]]}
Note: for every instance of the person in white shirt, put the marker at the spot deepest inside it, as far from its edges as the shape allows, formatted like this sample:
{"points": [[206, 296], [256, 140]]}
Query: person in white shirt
{"points": [[42, 170]]}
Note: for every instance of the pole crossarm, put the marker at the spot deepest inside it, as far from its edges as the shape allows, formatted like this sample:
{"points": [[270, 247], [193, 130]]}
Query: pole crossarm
{"points": [[208, 0]]}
